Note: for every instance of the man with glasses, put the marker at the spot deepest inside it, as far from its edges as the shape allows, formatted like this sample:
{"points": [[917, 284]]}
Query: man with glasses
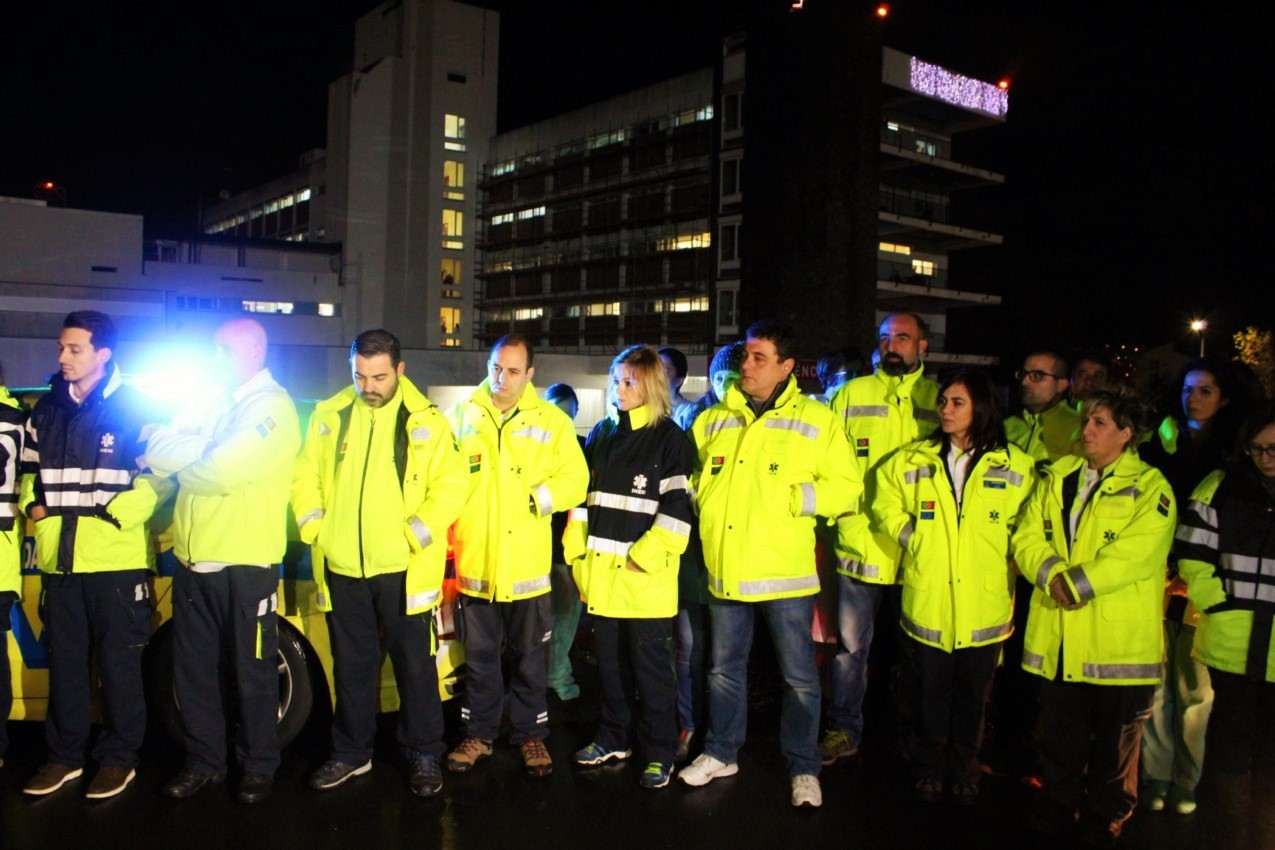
{"points": [[1048, 428]]}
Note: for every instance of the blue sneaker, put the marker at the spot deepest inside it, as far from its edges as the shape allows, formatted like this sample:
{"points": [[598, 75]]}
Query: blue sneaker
{"points": [[656, 775], [595, 753]]}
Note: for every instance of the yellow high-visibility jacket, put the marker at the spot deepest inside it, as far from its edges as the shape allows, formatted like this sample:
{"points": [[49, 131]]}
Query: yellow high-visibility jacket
{"points": [[958, 584], [759, 484], [1047, 435], [12, 420], [880, 414], [1115, 565], [521, 470], [1225, 548], [432, 487]]}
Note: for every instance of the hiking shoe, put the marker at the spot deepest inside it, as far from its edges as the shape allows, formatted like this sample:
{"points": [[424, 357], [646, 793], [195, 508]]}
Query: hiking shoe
{"points": [[110, 780], [535, 758], [335, 773], [705, 769], [595, 753], [656, 775], [928, 790], [426, 775], [806, 791], [836, 745], [467, 753], [50, 778]]}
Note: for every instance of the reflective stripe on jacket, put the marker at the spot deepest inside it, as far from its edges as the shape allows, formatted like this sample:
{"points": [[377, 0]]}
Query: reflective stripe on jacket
{"points": [[638, 509], [1115, 565], [12, 427], [958, 585], [521, 470], [432, 486], [759, 484], [1226, 552], [880, 414]]}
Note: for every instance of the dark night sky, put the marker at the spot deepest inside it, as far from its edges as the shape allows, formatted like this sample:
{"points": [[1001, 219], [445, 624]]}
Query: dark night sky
{"points": [[1138, 177]]}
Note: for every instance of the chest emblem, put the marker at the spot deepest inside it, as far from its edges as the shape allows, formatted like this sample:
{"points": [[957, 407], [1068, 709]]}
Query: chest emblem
{"points": [[718, 462], [861, 447], [927, 510], [994, 516], [1163, 507], [108, 443], [639, 485], [1109, 536], [774, 469], [475, 463]]}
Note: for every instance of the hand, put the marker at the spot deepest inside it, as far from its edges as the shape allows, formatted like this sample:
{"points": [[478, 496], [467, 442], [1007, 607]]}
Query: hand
{"points": [[37, 512], [633, 567], [1059, 593], [1177, 587]]}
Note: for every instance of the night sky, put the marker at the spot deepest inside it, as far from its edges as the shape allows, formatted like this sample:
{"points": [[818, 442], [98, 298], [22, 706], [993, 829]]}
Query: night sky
{"points": [[1138, 178]]}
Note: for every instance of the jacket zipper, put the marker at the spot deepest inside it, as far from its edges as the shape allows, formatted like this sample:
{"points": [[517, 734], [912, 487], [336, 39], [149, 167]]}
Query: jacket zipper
{"points": [[371, 432]]}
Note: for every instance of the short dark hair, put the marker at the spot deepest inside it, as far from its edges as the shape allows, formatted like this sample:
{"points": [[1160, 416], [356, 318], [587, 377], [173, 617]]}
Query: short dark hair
{"points": [[1262, 416], [379, 341], [515, 339], [680, 366], [1094, 357], [1060, 363], [102, 333], [840, 360], [778, 333], [561, 392], [987, 431]]}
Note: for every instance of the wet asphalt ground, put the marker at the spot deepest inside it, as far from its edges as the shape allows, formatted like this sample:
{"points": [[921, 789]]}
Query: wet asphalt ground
{"points": [[867, 801]]}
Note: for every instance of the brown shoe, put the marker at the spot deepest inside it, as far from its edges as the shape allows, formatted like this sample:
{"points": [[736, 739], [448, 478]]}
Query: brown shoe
{"points": [[50, 778], [467, 753], [535, 758], [109, 781]]}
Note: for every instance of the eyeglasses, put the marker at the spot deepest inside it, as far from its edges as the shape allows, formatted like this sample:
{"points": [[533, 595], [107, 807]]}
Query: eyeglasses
{"points": [[1035, 376], [1255, 451]]}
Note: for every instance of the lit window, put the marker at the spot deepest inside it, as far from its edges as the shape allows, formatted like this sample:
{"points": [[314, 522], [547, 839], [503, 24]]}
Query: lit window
{"points": [[688, 305], [273, 206], [327, 310], [604, 139], [925, 267], [303, 196], [892, 126], [284, 307], [610, 309], [451, 293], [449, 318], [524, 314], [256, 212], [503, 218], [451, 274], [891, 248], [454, 132], [453, 245], [681, 243], [451, 343], [287, 201], [453, 179], [453, 223], [534, 212], [500, 168]]}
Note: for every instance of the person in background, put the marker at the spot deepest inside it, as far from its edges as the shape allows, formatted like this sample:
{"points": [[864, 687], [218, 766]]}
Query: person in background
{"points": [[1198, 437], [232, 457], [564, 595], [1047, 428], [1093, 540], [625, 548], [692, 581], [1091, 370], [378, 482], [12, 426], [951, 501], [1225, 547], [835, 368], [676, 368], [81, 488], [769, 461]]}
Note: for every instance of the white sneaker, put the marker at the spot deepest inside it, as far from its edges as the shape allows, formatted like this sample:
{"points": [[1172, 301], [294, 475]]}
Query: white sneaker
{"points": [[805, 791], [705, 769]]}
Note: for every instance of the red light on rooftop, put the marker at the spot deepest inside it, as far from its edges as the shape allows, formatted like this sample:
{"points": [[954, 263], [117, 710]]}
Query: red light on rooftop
{"points": [[1003, 84], [883, 10]]}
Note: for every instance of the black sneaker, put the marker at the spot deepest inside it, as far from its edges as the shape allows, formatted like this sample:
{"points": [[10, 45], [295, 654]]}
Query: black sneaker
{"points": [[334, 773], [426, 775]]}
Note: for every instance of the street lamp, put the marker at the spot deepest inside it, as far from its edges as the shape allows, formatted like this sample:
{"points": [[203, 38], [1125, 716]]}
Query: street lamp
{"points": [[1199, 326]]}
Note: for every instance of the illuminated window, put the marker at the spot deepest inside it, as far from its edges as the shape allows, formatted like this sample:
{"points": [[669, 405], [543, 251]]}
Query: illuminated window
{"points": [[610, 309], [681, 243], [449, 319], [453, 245], [524, 314], [327, 310], [284, 307], [604, 139], [451, 274], [287, 201], [925, 267], [500, 168], [303, 196], [891, 248], [453, 132], [534, 212], [452, 293], [451, 343], [503, 218], [688, 305], [453, 223], [454, 180], [255, 212]]}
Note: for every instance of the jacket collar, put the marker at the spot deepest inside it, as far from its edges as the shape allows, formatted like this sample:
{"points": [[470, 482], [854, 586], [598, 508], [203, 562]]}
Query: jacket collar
{"points": [[997, 458], [482, 397], [638, 417], [61, 388], [413, 399], [903, 385], [737, 401]]}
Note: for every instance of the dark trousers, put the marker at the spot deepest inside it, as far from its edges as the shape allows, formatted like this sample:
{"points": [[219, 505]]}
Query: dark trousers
{"points": [[6, 685], [951, 694], [635, 662], [1239, 773], [225, 629], [359, 605], [526, 626], [108, 615], [1091, 738]]}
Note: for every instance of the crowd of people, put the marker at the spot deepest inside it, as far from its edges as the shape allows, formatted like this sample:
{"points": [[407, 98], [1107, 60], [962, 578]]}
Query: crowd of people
{"points": [[1123, 566]]}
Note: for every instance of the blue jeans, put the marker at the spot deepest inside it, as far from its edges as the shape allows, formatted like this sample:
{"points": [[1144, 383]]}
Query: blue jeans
{"points": [[857, 604], [691, 634], [789, 622]]}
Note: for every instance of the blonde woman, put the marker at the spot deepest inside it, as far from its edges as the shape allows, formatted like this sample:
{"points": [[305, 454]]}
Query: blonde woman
{"points": [[624, 547]]}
